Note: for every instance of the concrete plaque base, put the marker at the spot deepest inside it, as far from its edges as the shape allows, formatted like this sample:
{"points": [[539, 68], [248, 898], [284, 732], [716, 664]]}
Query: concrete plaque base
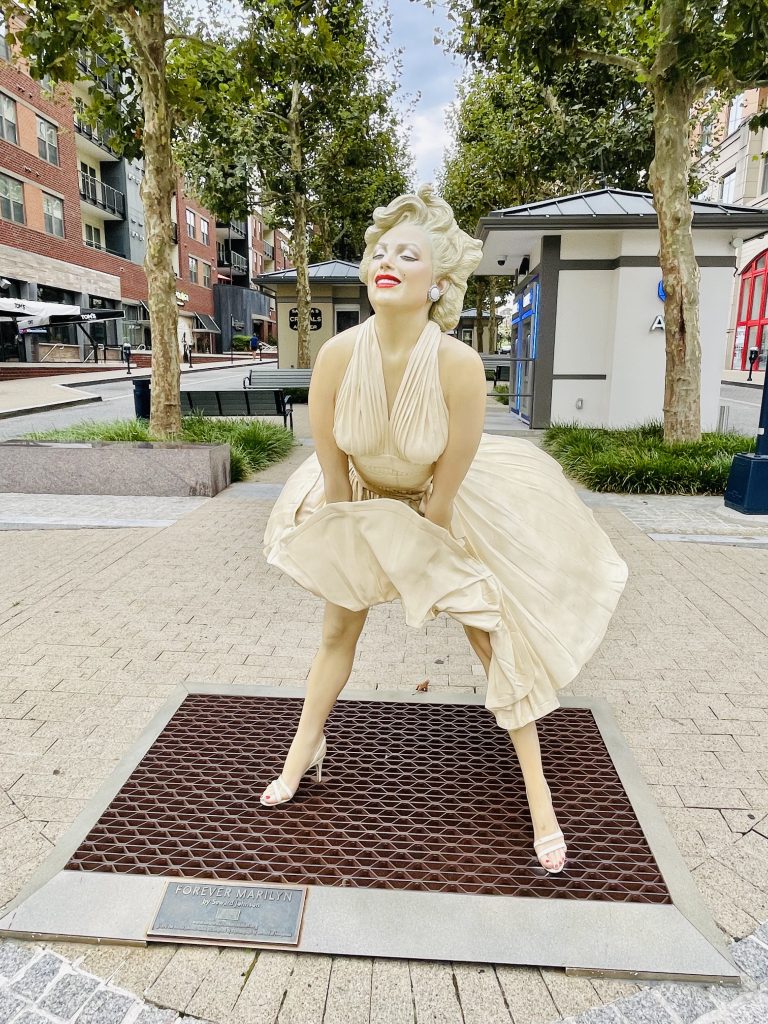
{"points": [[676, 940], [153, 469]]}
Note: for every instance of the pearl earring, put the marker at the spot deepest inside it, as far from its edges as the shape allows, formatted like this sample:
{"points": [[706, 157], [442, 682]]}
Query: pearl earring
{"points": [[434, 293]]}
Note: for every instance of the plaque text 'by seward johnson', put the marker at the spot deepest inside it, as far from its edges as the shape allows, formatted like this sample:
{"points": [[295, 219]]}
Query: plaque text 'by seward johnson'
{"points": [[245, 913]]}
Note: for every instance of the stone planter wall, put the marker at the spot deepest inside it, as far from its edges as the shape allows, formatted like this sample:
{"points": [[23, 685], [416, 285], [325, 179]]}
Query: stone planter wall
{"points": [[114, 467]]}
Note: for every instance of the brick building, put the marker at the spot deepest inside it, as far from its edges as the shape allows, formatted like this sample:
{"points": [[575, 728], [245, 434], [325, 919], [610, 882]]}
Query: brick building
{"points": [[734, 161], [72, 230]]}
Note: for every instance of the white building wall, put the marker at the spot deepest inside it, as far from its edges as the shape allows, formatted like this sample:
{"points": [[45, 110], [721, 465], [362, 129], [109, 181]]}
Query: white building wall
{"points": [[637, 378], [586, 317]]}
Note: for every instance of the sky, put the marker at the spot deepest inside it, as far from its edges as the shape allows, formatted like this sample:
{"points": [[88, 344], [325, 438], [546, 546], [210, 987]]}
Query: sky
{"points": [[427, 70]]}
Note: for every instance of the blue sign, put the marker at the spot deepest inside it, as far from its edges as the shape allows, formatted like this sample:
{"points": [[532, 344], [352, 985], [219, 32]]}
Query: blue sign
{"points": [[660, 291]]}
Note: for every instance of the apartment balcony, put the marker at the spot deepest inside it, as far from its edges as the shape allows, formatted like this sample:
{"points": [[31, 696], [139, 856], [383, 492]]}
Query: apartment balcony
{"points": [[235, 227], [232, 261], [95, 192], [96, 139], [269, 251], [93, 67]]}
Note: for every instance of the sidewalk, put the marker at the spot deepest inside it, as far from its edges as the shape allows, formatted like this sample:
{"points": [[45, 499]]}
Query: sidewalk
{"points": [[98, 625], [39, 394]]}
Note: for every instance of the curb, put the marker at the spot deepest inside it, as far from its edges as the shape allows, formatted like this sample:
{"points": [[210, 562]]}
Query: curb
{"points": [[6, 414]]}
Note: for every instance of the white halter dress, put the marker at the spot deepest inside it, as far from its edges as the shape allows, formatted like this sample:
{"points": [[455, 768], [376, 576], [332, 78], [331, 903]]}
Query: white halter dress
{"points": [[524, 560]]}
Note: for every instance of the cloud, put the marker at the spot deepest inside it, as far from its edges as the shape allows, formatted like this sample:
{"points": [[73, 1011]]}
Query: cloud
{"points": [[429, 139]]}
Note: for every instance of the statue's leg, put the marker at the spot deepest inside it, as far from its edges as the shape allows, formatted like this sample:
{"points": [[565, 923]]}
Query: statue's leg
{"points": [[327, 677], [526, 744]]}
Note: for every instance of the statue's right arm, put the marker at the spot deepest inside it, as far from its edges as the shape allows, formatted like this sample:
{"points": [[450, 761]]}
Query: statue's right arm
{"points": [[326, 377]]}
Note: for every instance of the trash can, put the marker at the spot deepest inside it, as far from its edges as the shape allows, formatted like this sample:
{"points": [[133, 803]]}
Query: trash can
{"points": [[142, 399]]}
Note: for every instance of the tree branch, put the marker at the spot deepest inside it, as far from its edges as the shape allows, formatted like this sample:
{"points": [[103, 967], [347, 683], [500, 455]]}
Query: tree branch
{"points": [[189, 38], [609, 58]]}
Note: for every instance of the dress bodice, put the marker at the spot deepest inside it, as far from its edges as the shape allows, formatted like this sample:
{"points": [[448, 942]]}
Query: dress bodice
{"points": [[393, 455]]}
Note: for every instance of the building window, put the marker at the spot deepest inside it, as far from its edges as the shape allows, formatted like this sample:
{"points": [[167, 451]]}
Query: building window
{"points": [[92, 236], [764, 182], [752, 321], [53, 215], [206, 275], [735, 111], [193, 270], [8, 119], [728, 188], [191, 224], [11, 199], [5, 50], [47, 141], [205, 236]]}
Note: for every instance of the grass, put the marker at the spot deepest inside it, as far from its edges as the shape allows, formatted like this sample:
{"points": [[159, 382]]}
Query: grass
{"points": [[638, 461], [253, 444]]}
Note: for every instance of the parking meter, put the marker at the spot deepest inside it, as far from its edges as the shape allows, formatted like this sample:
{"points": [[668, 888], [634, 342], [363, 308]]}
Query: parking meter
{"points": [[126, 354], [754, 355]]}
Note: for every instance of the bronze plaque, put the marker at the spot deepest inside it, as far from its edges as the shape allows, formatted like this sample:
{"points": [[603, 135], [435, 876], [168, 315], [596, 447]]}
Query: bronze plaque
{"points": [[245, 913]]}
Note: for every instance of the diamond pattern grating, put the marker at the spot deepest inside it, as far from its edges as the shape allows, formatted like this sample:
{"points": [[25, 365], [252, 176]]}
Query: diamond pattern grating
{"points": [[414, 796]]}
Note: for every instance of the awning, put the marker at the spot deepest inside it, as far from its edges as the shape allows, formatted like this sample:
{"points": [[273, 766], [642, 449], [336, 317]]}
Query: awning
{"points": [[80, 315], [205, 324], [13, 309]]}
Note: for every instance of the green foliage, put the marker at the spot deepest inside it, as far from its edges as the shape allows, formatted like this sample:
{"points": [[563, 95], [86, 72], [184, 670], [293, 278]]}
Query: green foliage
{"points": [[638, 460], [241, 342], [501, 393], [254, 444], [350, 144], [515, 142]]}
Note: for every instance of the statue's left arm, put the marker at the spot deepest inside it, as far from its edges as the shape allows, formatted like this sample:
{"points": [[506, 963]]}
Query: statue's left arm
{"points": [[465, 395]]}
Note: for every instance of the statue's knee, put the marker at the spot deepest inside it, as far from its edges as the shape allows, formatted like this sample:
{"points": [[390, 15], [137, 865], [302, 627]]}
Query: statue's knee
{"points": [[342, 628]]}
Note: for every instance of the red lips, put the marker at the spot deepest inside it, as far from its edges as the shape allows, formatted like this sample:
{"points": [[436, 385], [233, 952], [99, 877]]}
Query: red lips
{"points": [[386, 280]]}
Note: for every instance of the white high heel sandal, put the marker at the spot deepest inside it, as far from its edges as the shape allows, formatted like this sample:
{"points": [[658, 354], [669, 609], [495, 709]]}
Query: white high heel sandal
{"points": [[548, 845], [278, 793]]}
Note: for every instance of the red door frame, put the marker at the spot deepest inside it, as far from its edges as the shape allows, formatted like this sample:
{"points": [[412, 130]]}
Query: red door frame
{"points": [[754, 328]]}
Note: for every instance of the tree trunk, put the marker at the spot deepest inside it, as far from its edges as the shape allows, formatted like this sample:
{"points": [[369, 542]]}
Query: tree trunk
{"points": [[493, 324], [480, 287], [146, 29], [669, 183], [299, 235]]}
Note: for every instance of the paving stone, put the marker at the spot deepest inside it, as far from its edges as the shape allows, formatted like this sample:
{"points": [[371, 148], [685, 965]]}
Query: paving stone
{"points": [[752, 957], [597, 1015], [9, 1005], [644, 1008], [36, 978], [154, 1015], [106, 1007], [31, 1017], [753, 1012], [687, 1001], [68, 994], [14, 957]]}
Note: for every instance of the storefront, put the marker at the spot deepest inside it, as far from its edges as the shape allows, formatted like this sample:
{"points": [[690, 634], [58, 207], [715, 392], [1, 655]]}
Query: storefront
{"points": [[752, 315], [588, 323], [339, 301]]}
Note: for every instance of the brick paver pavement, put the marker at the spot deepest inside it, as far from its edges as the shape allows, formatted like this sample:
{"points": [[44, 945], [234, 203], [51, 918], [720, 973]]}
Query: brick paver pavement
{"points": [[98, 626]]}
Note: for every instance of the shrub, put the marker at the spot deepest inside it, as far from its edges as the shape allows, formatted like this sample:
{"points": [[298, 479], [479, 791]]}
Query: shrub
{"points": [[254, 444], [501, 393], [637, 460], [241, 342]]}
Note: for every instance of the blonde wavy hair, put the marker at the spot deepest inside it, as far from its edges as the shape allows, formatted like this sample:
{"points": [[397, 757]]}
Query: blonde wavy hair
{"points": [[455, 255]]}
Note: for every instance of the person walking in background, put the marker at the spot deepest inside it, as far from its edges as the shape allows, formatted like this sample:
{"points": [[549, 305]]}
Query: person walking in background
{"points": [[256, 345]]}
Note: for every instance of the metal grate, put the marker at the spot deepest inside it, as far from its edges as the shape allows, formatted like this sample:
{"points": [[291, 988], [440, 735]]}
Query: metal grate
{"points": [[414, 796]]}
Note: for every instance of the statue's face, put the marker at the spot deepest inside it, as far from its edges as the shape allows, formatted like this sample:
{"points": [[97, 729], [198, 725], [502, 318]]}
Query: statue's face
{"points": [[400, 273]]}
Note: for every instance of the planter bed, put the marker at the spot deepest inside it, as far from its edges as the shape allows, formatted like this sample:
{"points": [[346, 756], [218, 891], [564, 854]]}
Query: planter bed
{"points": [[160, 469]]}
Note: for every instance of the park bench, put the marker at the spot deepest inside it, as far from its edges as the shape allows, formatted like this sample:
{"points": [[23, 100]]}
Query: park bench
{"points": [[286, 379], [496, 367], [248, 402]]}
